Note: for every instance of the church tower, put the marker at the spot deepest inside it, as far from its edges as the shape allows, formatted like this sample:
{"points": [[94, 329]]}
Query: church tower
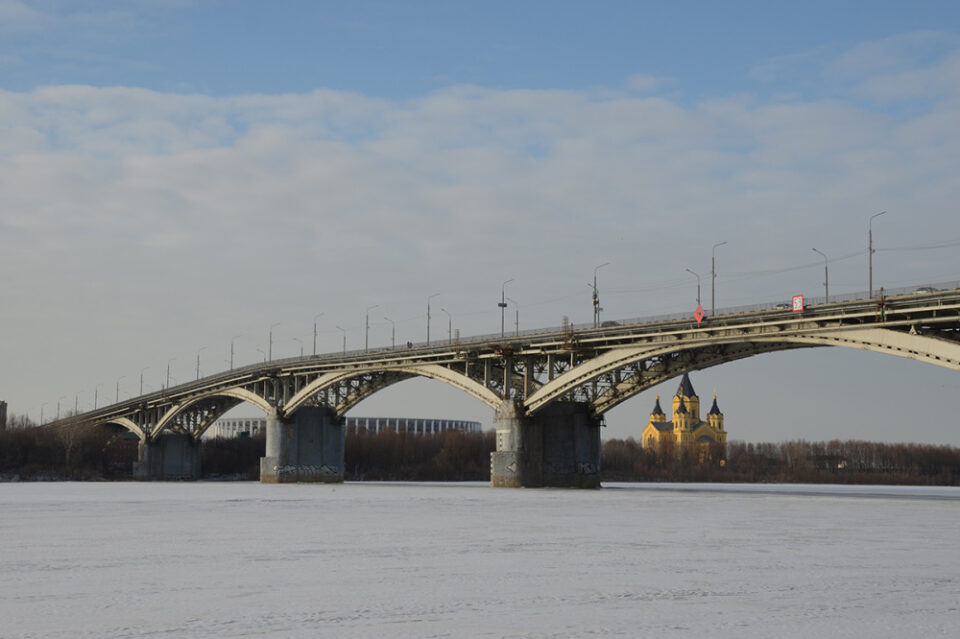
{"points": [[715, 417], [688, 397], [656, 415], [681, 421]]}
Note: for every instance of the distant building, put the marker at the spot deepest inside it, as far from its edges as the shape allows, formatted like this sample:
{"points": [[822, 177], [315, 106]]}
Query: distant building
{"points": [[3, 415], [686, 428], [228, 428], [414, 425]]}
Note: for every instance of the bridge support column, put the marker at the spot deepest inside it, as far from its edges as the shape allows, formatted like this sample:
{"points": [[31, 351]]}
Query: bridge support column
{"points": [[169, 457], [308, 447], [559, 446]]}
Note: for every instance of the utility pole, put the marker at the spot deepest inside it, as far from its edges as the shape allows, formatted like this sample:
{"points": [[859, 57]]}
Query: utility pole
{"points": [[870, 251], [366, 335], [713, 278], [428, 316], [826, 278], [449, 326], [503, 303], [202, 348], [231, 349], [698, 284], [315, 318], [270, 341], [596, 297], [516, 317], [393, 332]]}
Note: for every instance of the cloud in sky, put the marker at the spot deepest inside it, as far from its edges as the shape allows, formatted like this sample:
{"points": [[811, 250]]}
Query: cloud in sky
{"points": [[16, 15], [140, 225]]}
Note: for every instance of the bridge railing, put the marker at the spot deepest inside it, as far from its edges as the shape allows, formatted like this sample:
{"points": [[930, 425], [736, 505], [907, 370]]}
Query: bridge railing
{"points": [[669, 317], [646, 319]]}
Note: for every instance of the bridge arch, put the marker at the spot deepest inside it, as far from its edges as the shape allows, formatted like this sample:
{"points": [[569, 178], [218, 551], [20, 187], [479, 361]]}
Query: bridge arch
{"points": [[380, 379], [233, 397], [686, 361], [704, 353], [126, 423]]}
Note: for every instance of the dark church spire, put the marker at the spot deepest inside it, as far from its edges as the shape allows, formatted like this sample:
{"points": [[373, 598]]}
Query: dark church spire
{"points": [[656, 408], [683, 408], [714, 410], [686, 388]]}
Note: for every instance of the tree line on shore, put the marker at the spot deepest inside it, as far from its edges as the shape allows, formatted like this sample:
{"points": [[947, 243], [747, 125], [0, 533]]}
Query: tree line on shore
{"points": [[87, 452], [798, 461]]}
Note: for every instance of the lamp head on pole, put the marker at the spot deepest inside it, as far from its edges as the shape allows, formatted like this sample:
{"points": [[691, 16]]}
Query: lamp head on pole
{"points": [[870, 223]]}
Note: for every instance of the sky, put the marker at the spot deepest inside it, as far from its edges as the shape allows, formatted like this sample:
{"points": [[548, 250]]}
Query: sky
{"points": [[177, 176]]}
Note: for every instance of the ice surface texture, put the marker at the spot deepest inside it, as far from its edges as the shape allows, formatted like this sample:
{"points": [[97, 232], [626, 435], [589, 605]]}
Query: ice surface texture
{"points": [[111, 560]]}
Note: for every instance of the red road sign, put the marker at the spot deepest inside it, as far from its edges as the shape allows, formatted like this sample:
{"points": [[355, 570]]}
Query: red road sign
{"points": [[699, 313]]}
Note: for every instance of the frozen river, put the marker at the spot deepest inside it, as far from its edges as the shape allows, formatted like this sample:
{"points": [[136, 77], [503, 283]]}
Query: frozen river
{"points": [[412, 560]]}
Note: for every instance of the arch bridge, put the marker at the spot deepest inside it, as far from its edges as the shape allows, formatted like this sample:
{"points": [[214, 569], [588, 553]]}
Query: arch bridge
{"points": [[549, 389]]}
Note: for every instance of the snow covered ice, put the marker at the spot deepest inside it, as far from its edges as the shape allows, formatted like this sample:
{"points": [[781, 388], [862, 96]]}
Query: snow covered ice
{"points": [[465, 560]]}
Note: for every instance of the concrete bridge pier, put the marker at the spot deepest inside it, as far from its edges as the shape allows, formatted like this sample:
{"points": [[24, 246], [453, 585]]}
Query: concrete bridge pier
{"points": [[169, 457], [307, 447], [559, 447]]}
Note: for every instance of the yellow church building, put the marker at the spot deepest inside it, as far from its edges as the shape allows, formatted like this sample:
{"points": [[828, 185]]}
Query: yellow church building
{"points": [[686, 428]]}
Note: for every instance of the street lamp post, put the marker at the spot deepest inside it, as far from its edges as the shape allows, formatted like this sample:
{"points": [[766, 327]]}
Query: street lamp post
{"points": [[270, 341], [141, 379], [41, 412], [315, 318], [96, 390], [826, 278], [393, 332], [366, 335], [596, 296], [117, 400], [58, 406], [300, 341], [202, 348], [449, 326], [344, 331], [870, 250], [713, 277], [516, 317], [698, 285], [428, 316], [260, 350], [168, 371], [231, 349], [503, 303]]}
